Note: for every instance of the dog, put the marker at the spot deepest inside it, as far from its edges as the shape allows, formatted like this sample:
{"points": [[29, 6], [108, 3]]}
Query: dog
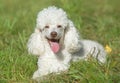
{"points": [[56, 42]]}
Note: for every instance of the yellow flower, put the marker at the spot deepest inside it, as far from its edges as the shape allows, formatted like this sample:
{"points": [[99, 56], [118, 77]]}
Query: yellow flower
{"points": [[108, 49]]}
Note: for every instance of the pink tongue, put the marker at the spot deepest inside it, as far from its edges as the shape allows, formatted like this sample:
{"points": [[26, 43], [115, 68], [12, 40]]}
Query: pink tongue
{"points": [[54, 46]]}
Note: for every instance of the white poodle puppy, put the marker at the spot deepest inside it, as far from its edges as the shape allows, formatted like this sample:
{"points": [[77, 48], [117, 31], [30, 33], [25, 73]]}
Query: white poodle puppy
{"points": [[56, 42]]}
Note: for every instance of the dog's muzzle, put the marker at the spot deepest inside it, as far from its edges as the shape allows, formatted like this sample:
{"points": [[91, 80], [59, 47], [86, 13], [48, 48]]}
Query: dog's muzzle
{"points": [[54, 44]]}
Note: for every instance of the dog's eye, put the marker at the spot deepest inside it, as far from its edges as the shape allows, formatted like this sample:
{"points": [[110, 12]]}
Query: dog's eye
{"points": [[46, 26], [59, 26]]}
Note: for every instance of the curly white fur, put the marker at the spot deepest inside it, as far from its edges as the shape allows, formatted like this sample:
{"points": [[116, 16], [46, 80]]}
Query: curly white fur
{"points": [[72, 48]]}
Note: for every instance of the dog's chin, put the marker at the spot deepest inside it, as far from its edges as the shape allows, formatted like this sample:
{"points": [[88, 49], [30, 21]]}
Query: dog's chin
{"points": [[54, 44]]}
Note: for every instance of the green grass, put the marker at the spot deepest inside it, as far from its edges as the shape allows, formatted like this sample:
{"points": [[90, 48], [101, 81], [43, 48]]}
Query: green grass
{"points": [[98, 20]]}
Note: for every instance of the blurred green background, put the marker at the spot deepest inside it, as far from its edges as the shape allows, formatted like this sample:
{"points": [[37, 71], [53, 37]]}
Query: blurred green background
{"points": [[97, 20]]}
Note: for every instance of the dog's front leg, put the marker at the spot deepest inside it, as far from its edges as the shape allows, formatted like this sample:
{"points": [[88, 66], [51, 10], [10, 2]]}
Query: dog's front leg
{"points": [[67, 57]]}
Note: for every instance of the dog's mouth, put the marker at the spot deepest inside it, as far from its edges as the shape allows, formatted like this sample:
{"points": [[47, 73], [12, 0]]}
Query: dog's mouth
{"points": [[54, 44]]}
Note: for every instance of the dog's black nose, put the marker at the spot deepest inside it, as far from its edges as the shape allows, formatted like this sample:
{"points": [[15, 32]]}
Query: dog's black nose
{"points": [[53, 34]]}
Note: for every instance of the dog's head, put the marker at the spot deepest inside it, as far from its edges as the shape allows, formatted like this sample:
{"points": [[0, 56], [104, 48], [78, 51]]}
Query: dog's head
{"points": [[57, 29], [52, 23]]}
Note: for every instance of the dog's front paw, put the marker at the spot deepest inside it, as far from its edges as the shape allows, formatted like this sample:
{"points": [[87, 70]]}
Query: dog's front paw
{"points": [[36, 75], [63, 68]]}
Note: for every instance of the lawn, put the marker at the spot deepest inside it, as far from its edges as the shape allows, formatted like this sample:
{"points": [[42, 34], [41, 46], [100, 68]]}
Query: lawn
{"points": [[97, 20]]}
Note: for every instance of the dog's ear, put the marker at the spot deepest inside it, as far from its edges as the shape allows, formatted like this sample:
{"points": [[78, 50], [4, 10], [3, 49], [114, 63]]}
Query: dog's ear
{"points": [[35, 43], [72, 38]]}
